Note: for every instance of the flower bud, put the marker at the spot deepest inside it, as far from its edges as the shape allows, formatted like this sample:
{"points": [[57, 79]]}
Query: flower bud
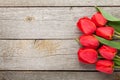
{"points": [[86, 26], [88, 56], [98, 19], [107, 52], [105, 66], [105, 32], [89, 41]]}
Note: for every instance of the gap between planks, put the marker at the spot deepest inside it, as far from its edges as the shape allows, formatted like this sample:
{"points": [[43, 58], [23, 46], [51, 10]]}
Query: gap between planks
{"points": [[54, 70], [51, 6], [39, 39], [59, 3]]}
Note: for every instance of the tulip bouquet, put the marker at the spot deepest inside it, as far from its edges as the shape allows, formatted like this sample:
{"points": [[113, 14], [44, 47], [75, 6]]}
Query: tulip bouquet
{"points": [[100, 44]]}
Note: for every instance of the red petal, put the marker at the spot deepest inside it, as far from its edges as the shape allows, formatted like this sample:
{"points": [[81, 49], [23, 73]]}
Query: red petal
{"points": [[89, 55], [89, 41], [107, 52], [105, 32], [86, 25], [98, 19]]}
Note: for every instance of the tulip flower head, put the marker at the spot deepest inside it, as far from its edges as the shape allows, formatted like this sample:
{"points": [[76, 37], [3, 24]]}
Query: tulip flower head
{"points": [[86, 26], [98, 19], [87, 55], [105, 32], [105, 66], [89, 41], [107, 52]]}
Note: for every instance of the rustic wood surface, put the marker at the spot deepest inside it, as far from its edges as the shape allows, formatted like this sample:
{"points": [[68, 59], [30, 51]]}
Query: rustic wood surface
{"points": [[37, 39], [44, 23], [36, 75], [40, 55], [59, 3]]}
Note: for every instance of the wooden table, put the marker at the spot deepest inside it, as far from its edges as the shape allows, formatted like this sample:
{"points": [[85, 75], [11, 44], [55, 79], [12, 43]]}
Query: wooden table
{"points": [[37, 39]]}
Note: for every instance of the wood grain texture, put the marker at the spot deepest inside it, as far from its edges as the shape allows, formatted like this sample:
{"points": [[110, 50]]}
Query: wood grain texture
{"points": [[59, 3], [40, 55], [44, 23], [37, 75]]}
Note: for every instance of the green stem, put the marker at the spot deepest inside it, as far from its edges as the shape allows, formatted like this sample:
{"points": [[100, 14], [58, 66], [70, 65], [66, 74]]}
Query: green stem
{"points": [[77, 40], [117, 56], [117, 33], [117, 36], [116, 59], [116, 66]]}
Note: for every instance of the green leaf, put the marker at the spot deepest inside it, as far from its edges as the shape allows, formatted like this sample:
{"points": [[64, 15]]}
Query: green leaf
{"points": [[115, 25], [108, 16], [108, 42]]}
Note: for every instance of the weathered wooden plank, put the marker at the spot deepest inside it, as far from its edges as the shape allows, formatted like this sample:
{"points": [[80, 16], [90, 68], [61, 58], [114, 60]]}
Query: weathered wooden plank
{"points": [[59, 3], [44, 23], [37, 75], [40, 55]]}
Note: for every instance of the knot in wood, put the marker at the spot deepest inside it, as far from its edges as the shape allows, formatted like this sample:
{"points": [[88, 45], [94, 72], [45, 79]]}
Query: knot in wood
{"points": [[29, 19]]}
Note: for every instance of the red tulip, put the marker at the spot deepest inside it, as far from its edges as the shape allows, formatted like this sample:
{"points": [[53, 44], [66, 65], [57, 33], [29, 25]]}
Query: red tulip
{"points": [[105, 32], [89, 41], [107, 52], [86, 25], [88, 56], [105, 66], [98, 19]]}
